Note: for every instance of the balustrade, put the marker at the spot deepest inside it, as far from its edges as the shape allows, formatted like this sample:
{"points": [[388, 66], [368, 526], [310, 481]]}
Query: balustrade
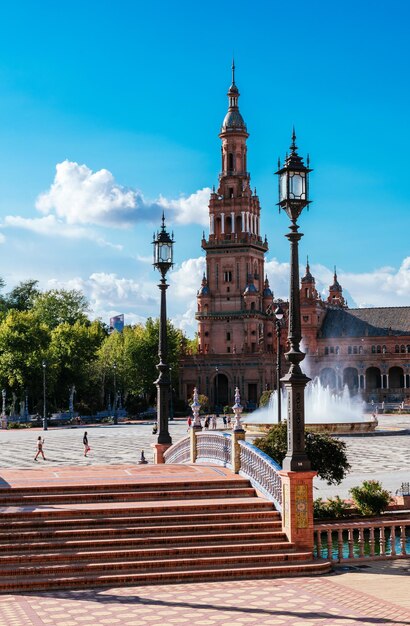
{"points": [[179, 452], [261, 471], [363, 540], [214, 448]]}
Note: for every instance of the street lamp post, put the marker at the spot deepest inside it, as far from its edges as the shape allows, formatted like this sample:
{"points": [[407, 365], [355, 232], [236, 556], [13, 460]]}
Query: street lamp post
{"points": [[293, 197], [279, 317], [216, 391], [45, 427], [115, 393], [163, 261], [171, 399], [3, 410]]}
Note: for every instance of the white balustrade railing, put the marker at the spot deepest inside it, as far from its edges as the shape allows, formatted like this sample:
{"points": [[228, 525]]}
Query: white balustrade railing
{"points": [[214, 448], [262, 472], [352, 541], [179, 452]]}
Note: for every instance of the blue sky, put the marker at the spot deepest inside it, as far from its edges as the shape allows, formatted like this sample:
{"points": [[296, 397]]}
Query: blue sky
{"points": [[128, 97]]}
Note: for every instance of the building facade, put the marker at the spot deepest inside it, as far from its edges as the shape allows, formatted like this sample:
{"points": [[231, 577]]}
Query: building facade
{"points": [[366, 349]]}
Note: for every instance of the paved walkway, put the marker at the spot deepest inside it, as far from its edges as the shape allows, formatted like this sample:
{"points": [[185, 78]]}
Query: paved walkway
{"points": [[330, 601]]}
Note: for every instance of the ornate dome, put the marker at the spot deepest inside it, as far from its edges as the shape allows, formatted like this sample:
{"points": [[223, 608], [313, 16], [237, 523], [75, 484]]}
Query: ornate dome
{"points": [[204, 289], [233, 121]]}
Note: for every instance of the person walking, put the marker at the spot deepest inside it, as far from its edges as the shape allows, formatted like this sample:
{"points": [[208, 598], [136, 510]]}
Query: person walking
{"points": [[40, 443], [85, 442]]}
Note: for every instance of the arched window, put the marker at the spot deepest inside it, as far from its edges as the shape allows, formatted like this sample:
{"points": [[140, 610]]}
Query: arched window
{"points": [[252, 306], [396, 349], [379, 349], [373, 349], [384, 349], [402, 349], [230, 161], [349, 350], [337, 350], [407, 349]]}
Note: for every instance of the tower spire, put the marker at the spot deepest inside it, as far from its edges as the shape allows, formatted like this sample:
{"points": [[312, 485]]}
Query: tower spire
{"points": [[233, 71]]}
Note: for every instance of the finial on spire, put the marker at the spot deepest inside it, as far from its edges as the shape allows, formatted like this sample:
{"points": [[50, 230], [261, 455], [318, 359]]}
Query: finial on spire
{"points": [[308, 160], [163, 221], [335, 274], [233, 70], [293, 145], [278, 163], [213, 188], [307, 264]]}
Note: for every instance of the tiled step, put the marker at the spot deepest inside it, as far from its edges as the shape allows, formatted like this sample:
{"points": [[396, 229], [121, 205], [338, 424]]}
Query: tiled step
{"points": [[145, 508], [146, 565], [126, 487], [203, 519], [146, 578], [100, 554], [128, 541], [119, 496], [142, 531]]}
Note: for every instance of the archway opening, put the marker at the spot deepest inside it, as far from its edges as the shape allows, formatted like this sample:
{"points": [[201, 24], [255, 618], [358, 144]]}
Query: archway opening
{"points": [[328, 377], [221, 391], [373, 378], [351, 379], [396, 378]]}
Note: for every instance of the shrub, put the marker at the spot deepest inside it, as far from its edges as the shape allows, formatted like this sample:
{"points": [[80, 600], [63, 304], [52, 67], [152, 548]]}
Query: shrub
{"points": [[327, 455], [334, 508], [370, 498]]}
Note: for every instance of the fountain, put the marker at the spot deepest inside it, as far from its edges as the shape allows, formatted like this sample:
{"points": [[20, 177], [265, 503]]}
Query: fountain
{"points": [[326, 411]]}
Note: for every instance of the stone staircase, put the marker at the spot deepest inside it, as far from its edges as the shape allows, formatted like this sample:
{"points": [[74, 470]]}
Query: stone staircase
{"points": [[140, 533]]}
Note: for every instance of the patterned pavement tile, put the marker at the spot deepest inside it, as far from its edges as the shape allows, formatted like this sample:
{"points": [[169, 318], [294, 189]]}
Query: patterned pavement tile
{"points": [[279, 602]]}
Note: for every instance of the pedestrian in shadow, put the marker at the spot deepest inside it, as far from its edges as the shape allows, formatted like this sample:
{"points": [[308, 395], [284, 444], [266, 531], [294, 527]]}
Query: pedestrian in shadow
{"points": [[40, 443], [85, 442]]}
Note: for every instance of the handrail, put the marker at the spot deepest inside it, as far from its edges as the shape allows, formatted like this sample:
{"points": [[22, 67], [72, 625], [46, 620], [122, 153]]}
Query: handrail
{"points": [[179, 452], [352, 541], [262, 472], [214, 448]]}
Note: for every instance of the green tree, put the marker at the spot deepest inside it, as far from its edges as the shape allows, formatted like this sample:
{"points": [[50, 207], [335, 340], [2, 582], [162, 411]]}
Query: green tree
{"points": [[24, 340], [57, 306], [326, 454], [23, 295], [73, 348]]}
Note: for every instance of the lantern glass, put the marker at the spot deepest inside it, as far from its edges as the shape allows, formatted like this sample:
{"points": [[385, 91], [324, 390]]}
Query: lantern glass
{"points": [[297, 186], [165, 253], [283, 186]]}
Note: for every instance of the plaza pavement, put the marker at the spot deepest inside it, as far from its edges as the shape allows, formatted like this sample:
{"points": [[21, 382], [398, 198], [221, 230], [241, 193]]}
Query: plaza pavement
{"points": [[377, 595], [381, 457], [371, 593]]}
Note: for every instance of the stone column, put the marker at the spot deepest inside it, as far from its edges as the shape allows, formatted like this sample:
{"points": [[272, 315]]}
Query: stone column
{"points": [[193, 444], [237, 436], [243, 221], [211, 225], [233, 223], [222, 223], [297, 507], [159, 450]]}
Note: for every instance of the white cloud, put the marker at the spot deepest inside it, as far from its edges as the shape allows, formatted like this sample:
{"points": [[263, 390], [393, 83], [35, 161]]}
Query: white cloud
{"points": [[80, 196], [110, 294], [190, 210], [50, 226], [2, 238], [184, 284]]}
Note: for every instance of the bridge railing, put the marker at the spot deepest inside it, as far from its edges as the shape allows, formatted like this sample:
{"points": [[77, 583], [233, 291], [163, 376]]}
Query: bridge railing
{"points": [[358, 541], [233, 452], [214, 448], [179, 452], [262, 471]]}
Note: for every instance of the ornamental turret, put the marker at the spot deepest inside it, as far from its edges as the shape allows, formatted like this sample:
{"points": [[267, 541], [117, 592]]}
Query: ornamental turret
{"points": [[336, 293]]}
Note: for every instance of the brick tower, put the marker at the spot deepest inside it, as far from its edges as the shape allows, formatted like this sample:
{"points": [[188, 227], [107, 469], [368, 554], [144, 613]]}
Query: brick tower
{"points": [[235, 332]]}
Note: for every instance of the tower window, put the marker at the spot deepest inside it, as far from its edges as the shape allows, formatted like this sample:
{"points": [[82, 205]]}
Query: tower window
{"points": [[231, 192], [230, 161], [228, 277], [228, 336], [228, 349]]}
